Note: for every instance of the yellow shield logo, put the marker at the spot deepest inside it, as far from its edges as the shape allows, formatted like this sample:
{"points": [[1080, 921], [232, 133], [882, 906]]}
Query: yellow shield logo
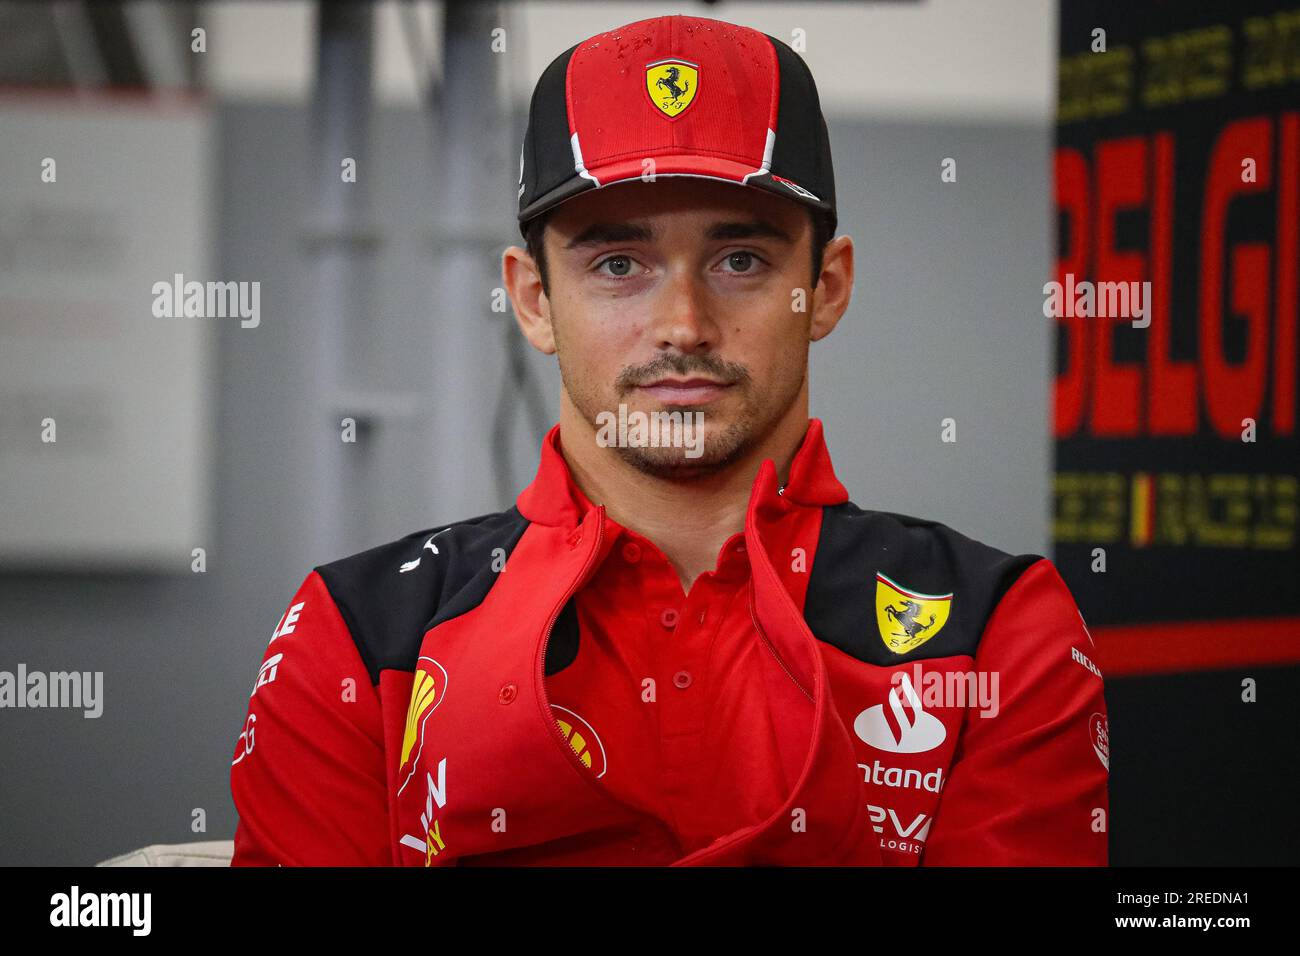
{"points": [[672, 85], [907, 618]]}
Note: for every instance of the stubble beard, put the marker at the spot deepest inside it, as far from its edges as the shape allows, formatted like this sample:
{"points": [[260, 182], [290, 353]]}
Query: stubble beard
{"points": [[720, 451], [720, 448]]}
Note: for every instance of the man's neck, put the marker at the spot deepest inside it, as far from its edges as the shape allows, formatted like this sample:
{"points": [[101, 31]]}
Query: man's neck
{"points": [[688, 520]]}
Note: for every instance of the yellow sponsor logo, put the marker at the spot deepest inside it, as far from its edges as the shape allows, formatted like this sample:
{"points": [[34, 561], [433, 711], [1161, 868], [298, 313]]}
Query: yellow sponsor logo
{"points": [[582, 737], [427, 691]]}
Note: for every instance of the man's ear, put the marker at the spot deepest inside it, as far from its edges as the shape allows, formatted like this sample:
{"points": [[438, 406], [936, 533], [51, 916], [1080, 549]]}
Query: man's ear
{"points": [[834, 288], [523, 283]]}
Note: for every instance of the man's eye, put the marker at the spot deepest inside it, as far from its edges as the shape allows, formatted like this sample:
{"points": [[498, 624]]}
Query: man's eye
{"points": [[619, 266], [741, 262]]}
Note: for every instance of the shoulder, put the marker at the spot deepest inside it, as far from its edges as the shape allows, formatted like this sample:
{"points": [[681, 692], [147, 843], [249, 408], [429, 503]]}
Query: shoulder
{"points": [[390, 595], [940, 556], [868, 561]]}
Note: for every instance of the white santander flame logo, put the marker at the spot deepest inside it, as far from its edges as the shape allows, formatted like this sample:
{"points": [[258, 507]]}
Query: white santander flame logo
{"points": [[916, 735]]}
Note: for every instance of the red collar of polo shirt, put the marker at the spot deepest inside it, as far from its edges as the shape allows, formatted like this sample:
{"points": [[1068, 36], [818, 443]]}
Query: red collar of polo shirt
{"points": [[554, 498]]}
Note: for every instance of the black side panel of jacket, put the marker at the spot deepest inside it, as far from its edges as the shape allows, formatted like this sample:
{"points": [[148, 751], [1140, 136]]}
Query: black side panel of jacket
{"points": [[388, 610], [562, 650], [920, 555]]}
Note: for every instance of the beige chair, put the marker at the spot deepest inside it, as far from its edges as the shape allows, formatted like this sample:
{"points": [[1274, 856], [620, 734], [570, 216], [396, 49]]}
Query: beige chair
{"points": [[212, 853]]}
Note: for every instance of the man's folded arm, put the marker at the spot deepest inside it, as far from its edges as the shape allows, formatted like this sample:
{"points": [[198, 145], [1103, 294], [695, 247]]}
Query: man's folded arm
{"points": [[308, 775], [1028, 787]]}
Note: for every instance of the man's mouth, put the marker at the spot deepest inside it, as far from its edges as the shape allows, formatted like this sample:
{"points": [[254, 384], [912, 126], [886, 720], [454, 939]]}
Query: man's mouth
{"points": [[685, 391]]}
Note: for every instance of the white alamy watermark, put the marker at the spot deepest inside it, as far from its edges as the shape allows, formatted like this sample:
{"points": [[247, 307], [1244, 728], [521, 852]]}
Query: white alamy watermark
{"points": [[208, 300], [1102, 300], [651, 430], [75, 908], [81, 690], [951, 689]]}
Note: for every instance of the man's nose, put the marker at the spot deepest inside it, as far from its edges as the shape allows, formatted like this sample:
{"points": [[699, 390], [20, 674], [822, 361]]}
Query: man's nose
{"points": [[683, 317]]}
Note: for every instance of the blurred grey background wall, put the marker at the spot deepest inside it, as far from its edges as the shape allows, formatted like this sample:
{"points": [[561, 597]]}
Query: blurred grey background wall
{"points": [[945, 322]]}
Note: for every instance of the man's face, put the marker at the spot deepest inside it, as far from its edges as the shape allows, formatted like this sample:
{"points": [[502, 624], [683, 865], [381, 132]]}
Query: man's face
{"points": [[680, 295]]}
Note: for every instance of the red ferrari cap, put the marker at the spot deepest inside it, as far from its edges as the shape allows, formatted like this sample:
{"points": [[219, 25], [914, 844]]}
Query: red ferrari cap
{"points": [[676, 96]]}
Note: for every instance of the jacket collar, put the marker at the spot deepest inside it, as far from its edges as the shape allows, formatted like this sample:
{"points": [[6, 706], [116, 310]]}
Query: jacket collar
{"points": [[553, 498]]}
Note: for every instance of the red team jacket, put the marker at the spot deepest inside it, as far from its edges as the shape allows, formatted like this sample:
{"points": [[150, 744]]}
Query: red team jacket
{"points": [[937, 701]]}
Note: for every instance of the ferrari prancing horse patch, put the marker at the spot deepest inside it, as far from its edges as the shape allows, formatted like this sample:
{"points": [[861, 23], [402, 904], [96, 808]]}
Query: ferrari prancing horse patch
{"points": [[907, 618], [672, 85]]}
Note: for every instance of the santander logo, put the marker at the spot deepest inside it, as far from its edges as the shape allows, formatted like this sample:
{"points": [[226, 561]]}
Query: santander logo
{"points": [[916, 733]]}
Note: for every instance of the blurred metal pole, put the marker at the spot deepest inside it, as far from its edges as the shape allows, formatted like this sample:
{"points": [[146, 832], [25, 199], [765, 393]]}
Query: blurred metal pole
{"points": [[476, 176], [77, 41], [338, 247]]}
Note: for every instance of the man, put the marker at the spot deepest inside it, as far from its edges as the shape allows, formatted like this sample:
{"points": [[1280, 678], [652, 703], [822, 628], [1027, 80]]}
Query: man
{"points": [[682, 644]]}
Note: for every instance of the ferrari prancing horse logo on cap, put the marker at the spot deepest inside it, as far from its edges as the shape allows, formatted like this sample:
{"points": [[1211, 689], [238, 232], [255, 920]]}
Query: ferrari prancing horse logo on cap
{"points": [[672, 85]]}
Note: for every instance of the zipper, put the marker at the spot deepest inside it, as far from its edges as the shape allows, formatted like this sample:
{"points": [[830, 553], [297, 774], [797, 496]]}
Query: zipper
{"points": [[546, 640], [753, 616]]}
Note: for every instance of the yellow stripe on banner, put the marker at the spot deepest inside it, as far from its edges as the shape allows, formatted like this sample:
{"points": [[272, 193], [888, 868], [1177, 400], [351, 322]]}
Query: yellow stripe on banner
{"points": [[1140, 510]]}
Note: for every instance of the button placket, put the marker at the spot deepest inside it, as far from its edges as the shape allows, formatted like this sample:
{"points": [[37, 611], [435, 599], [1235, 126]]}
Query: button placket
{"points": [[687, 663]]}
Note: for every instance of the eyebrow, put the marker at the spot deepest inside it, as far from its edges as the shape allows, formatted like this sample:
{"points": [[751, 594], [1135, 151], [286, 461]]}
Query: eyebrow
{"points": [[604, 232]]}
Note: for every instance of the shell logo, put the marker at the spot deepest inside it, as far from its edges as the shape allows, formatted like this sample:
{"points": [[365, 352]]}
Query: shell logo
{"points": [[427, 691], [582, 737]]}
